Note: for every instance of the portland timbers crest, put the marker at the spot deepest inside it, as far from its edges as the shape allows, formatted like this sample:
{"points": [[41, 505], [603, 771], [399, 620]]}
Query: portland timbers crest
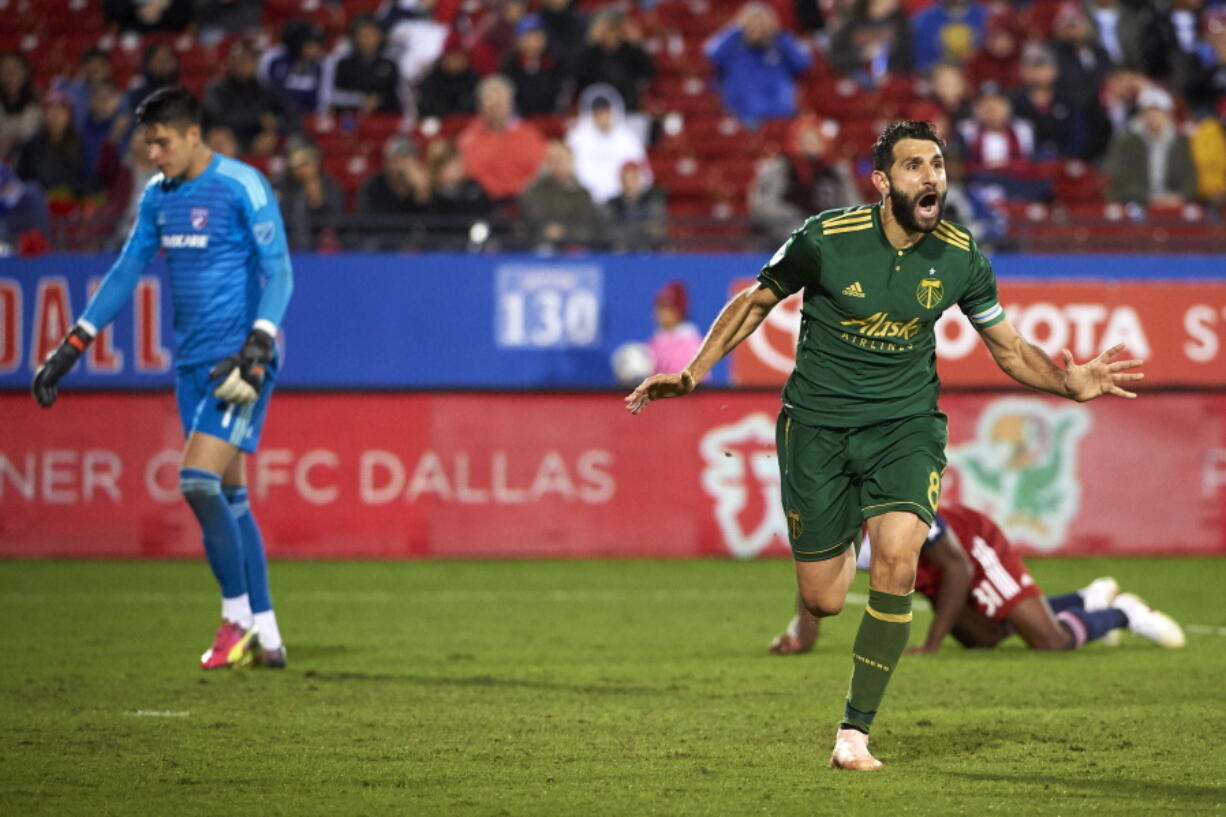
{"points": [[930, 292]]}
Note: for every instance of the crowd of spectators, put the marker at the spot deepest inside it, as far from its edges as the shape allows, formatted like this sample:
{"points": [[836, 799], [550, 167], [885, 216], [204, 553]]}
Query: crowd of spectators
{"points": [[1134, 90]]}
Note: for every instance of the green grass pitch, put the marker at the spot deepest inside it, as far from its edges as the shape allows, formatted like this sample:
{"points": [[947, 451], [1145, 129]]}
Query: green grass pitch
{"points": [[584, 688]]}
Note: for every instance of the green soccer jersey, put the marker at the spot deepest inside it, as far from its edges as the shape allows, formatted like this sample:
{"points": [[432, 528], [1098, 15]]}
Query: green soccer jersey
{"points": [[867, 347]]}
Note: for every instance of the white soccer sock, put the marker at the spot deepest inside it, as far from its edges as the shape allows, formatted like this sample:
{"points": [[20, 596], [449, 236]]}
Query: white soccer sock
{"points": [[238, 610], [267, 631]]}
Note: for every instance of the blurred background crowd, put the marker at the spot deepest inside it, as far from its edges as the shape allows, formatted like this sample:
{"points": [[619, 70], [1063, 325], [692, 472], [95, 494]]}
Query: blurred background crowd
{"points": [[565, 125]]}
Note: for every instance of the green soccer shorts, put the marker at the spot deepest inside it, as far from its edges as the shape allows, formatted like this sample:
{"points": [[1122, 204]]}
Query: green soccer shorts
{"points": [[832, 479]]}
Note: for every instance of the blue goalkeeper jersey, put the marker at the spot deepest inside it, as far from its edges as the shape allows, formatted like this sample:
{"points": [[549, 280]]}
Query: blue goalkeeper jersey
{"points": [[226, 250]]}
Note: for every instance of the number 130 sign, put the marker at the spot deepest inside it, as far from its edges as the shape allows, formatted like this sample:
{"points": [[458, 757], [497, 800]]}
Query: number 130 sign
{"points": [[548, 307]]}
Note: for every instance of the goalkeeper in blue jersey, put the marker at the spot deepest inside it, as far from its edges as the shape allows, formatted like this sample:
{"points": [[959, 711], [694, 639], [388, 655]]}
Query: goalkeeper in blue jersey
{"points": [[220, 227]]}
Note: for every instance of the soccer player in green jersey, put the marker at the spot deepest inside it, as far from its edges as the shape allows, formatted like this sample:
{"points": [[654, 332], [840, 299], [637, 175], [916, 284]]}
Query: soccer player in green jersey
{"points": [[860, 438]]}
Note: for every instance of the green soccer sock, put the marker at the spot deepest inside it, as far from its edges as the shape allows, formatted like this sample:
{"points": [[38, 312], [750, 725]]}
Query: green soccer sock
{"points": [[882, 637]]}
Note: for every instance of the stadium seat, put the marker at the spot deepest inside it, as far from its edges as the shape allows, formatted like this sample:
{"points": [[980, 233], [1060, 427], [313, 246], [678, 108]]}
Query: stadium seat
{"points": [[331, 17], [680, 177], [380, 126], [554, 127], [720, 136], [1075, 181], [731, 178], [65, 17]]}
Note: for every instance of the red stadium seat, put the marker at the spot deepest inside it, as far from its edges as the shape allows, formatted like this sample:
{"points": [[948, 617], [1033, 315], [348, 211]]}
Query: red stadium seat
{"points": [[554, 127], [1076, 181], [380, 126], [732, 176], [349, 171], [680, 177], [64, 17]]}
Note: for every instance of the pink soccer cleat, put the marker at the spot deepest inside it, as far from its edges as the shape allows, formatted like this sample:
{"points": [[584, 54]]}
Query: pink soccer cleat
{"points": [[231, 647], [851, 752]]}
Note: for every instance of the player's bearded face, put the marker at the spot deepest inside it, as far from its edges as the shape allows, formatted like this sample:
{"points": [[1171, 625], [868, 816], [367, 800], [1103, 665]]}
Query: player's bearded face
{"points": [[918, 211], [917, 185]]}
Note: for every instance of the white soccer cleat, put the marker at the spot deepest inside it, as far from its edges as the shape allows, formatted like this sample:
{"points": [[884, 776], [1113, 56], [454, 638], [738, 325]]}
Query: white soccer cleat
{"points": [[1149, 623], [1099, 594], [851, 752]]}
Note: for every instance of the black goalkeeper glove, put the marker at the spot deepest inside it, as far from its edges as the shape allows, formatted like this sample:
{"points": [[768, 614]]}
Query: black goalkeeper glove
{"points": [[242, 375], [58, 364]]}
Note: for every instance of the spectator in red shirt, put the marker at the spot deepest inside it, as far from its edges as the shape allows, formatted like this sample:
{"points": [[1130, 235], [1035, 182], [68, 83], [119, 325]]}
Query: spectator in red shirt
{"points": [[1000, 150], [997, 62], [502, 152], [495, 35]]}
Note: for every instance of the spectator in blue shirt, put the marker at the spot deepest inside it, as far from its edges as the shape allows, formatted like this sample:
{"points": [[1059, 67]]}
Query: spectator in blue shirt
{"points": [[757, 65], [951, 30], [295, 68], [94, 67], [22, 209]]}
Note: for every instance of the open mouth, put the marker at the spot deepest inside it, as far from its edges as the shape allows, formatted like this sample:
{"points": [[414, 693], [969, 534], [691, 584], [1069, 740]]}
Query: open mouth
{"points": [[928, 206]]}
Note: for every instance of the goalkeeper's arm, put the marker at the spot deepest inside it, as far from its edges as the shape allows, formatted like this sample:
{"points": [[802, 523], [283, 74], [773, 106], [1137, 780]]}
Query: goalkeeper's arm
{"points": [[114, 291]]}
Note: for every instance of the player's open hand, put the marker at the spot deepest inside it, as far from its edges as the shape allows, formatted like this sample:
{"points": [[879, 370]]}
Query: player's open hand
{"points": [[1100, 376], [657, 387]]}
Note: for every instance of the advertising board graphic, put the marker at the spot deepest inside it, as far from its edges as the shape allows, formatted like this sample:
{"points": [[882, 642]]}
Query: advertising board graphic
{"points": [[519, 322], [573, 475], [1178, 329]]}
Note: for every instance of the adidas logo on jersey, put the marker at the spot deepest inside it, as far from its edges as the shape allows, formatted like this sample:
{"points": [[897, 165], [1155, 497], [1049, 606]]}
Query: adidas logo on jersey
{"points": [[855, 290]]}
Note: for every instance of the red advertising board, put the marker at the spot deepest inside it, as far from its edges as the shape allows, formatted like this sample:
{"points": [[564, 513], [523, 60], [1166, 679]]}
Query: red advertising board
{"points": [[574, 475], [1178, 329]]}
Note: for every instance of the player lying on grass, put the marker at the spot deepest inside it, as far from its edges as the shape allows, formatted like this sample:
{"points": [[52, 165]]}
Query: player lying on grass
{"points": [[220, 227], [981, 593]]}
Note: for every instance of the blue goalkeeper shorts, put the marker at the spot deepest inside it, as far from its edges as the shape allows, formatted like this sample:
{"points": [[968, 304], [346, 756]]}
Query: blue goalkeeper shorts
{"points": [[199, 410]]}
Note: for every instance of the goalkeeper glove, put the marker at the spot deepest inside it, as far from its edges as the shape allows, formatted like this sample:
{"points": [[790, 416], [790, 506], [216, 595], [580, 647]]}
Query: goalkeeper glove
{"points": [[58, 364], [242, 374]]}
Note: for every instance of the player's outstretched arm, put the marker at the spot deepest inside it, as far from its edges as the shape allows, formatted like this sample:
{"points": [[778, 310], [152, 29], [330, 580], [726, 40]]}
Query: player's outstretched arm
{"points": [[1030, 366], [948, 557], [736, 321], [112, 293]]}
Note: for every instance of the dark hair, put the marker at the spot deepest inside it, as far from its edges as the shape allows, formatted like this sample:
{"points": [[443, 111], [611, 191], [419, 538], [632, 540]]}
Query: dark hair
{"points": [[895, 132], [297, 33], [173, 106], [25, 94], [94, 53], [363, 20]]}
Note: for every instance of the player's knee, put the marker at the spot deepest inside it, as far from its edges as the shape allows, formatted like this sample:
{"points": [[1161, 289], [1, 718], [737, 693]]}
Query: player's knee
{"points": [[195, 483], [823, 607], [894, 575]]}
